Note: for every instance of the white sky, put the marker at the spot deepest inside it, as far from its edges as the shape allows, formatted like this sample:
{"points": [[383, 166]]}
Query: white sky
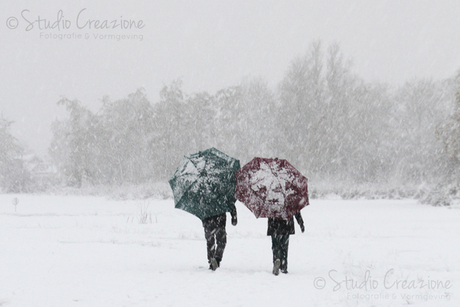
{"points": [[210, 45]]}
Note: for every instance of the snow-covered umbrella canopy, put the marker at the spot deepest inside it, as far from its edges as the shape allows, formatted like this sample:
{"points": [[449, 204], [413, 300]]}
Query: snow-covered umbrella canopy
{"points": [[271, 188], [204, 183]]}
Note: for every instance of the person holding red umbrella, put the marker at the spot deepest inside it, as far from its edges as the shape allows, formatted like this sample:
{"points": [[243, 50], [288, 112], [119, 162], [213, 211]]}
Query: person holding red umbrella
{"points": [[280, 230], [274, 189]]}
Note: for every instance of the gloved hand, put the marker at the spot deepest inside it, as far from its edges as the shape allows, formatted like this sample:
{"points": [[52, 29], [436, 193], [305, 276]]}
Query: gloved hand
{"points": [[302, 227], [234, 220]]}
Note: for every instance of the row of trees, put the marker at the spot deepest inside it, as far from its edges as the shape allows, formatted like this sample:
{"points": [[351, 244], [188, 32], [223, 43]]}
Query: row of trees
{"points": [[14, 176], [323, 118], [134, 141]]}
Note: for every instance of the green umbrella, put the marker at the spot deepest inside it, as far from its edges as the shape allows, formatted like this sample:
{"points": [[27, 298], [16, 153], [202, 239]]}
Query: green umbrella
{"points": [[204, 183]]}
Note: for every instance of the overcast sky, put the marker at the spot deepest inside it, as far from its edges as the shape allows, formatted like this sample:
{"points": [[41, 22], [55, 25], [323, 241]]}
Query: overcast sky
{"points": [[210, 45]]}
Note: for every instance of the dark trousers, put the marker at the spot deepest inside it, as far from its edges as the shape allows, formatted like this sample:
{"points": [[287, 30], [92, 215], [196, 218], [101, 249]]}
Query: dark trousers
{"points": [[280, 245], [216, 237]]}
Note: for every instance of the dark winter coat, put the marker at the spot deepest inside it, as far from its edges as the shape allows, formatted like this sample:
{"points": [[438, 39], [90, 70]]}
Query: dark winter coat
{"points": [[219, 220], [283, 227]]}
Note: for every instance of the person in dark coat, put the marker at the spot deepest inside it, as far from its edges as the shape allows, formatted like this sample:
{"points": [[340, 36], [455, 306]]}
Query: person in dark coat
{"points": [[280, 230], [216, 236]]}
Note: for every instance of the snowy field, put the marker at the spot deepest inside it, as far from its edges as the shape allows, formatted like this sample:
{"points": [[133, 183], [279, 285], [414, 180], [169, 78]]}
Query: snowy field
{"points": [[90, 251]]}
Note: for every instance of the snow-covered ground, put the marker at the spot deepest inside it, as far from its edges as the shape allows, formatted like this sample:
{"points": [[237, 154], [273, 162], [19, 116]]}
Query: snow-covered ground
{"points": [[90, 251]]}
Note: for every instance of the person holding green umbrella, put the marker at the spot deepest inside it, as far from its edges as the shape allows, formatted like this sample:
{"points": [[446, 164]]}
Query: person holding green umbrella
{"points": [[216, 236], [204, 185]]}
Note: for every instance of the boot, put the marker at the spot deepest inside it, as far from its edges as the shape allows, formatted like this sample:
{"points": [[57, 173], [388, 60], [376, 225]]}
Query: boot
{"points": [[283, 267], [214, 264], [276, 267]]}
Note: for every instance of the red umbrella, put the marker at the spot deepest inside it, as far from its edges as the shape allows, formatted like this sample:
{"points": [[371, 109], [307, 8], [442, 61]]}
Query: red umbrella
{"points": [[271, 188]]}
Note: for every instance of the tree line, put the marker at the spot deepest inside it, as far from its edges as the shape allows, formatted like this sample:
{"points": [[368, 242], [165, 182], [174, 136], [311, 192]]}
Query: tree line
{"points": [[327, 121]]}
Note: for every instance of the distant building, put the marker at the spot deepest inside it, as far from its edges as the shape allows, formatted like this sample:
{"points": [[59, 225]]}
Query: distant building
{"points": [[42, 172]]}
